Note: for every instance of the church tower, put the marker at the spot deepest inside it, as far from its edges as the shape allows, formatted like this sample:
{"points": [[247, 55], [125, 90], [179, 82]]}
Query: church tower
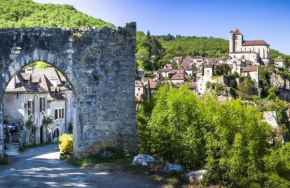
{"points": [[232, 42], [238, 41]]}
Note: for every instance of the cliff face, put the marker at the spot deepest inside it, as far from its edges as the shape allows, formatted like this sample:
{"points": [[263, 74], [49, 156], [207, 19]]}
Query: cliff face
{"points": [[278, 81], [283, 86]]}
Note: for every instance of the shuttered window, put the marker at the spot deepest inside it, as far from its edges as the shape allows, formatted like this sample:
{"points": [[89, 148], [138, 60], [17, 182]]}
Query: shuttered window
{"points": [[55, 114], [42, 104]]}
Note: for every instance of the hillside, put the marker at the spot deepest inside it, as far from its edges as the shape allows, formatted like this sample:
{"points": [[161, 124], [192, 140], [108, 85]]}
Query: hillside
{"points": [[26, 13], [207, 47]]}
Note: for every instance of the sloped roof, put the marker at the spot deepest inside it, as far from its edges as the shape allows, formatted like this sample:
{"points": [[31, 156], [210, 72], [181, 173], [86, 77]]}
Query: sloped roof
{"points": [[237, 32], [192, 85], [185, 65], [279, 59], [138, 83], [249, 69], [254, 43], [153, 84], [178, 77]]}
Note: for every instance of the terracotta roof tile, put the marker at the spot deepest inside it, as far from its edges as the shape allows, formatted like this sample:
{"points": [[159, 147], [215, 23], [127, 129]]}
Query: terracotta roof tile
{"points": [[138, 83], [254, 43], [178, 77], [249, 69], [237, 32]]}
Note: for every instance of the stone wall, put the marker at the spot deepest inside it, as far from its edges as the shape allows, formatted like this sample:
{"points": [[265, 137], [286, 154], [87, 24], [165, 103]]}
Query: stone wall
{"points": [[100, 65]]}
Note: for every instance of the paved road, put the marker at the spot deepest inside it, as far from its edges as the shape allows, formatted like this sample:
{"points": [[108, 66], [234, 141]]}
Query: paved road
{"points": [[41, 167]]}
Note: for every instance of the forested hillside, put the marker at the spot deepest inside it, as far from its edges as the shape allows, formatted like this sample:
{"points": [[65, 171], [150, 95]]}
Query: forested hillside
{"points": [[26, 13], [152, 51], [203, 46]]}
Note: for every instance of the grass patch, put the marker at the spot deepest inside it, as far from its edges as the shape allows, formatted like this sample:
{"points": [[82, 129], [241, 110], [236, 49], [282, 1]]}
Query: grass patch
{"points": [[105, 155]]}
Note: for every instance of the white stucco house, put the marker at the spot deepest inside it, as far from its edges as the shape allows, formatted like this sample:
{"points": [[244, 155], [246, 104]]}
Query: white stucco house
{"points": [[39, 93], [279, 62]]}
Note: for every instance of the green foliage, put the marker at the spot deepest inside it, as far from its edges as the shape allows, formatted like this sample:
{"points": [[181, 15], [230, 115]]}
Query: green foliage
{"points": [[246, 88], [31, 129], [117, 153], [41, 65], [176, 129], [47, 120], [219, 87], [26, 13], [66, 143], [229, 139], [203, 46], [276, 53], [149, 52], [222, 69], [278, 167], [4, 160], [264, 81], [207, 85], [144, 113], [70, 128]]}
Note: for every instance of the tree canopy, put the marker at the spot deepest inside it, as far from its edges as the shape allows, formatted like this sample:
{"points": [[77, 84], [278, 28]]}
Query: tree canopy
{"points": [[26, 13], [229, 139]]}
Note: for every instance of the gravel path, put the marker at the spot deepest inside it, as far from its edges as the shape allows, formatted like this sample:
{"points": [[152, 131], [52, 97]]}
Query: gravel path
{"points": [[41, 167]]}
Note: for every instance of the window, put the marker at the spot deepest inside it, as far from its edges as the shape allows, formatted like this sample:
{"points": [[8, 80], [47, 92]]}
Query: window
{"points": [[138, 89], [59, 111], [41, 104], [56, 114], [30, 105], [62, 111]]}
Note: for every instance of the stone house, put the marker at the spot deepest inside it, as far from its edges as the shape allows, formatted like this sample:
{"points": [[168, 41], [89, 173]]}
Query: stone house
{"points": [[164, 72], [178, 78], [187, 68], [279, 62], [139, 89], [40, 93], [257, 51], [253, 72]]}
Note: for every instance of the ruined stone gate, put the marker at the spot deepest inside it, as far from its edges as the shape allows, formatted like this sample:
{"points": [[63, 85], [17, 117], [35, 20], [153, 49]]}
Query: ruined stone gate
{"points": [[99, 64]]}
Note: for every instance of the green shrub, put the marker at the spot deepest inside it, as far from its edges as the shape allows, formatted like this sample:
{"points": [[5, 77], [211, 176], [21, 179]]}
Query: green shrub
{"points": [[117, 153], [66, 143], [5, 160]]}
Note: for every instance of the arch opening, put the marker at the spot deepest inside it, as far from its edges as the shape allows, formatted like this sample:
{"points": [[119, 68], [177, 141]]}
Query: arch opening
{"points": [[41, 99], [100, 66]]}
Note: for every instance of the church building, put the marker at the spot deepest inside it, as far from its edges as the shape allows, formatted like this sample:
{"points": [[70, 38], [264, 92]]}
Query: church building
{"points": [[256, 51]]}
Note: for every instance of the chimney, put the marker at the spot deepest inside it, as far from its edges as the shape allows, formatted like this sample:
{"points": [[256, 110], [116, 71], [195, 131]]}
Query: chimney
{"points": [[29, 70]]}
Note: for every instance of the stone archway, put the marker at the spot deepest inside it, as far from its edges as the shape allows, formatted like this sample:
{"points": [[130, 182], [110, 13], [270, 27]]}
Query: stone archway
{"points": [[100, 65]]}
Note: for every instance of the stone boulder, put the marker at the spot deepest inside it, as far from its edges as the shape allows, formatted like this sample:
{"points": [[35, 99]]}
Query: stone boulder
{"points": [[195, 175], [143, 160], [169, 168]]}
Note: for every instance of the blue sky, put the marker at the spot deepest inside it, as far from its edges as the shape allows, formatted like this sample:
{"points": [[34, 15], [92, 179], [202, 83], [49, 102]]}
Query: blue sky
{"points": [[257, 19]]}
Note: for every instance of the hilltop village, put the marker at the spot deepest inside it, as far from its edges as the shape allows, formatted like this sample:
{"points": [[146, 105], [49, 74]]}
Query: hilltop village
{"points": [[204, 74]]}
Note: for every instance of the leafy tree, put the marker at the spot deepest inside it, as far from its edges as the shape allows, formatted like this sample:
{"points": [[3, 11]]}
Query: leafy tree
{"points": [[222, 69], [246, 88], [31, 129], [26, 13]]}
